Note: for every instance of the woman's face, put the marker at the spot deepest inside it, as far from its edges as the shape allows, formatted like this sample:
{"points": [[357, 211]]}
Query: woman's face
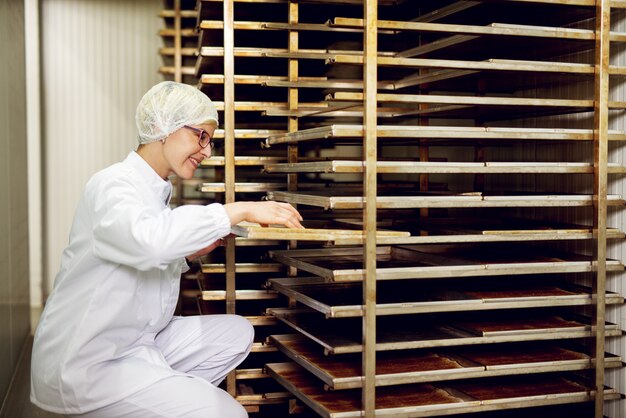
{"points": [[182, 150]]}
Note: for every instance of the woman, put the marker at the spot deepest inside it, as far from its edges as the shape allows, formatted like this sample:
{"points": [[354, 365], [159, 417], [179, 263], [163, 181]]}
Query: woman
{"points": [[107, 344]]}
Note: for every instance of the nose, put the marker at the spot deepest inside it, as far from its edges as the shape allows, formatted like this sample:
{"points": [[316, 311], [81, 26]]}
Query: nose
{"points": [[206, 152]]}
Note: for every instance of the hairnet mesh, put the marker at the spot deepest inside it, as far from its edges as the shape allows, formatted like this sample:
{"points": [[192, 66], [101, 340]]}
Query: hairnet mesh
{"points": [[168, 106]]}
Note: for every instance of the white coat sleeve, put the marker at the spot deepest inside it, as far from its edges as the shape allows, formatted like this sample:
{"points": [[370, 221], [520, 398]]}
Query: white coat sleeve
{"points": [[130, 232]]}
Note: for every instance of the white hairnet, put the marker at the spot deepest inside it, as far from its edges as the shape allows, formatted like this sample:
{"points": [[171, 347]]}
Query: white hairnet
{"points": [[168, 106]]}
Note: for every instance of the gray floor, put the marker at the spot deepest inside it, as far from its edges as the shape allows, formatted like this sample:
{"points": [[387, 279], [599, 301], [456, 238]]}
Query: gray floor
{"points": [[17, 403]]}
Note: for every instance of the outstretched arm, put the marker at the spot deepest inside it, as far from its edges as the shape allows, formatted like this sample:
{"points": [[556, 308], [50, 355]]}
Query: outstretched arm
{"points": [[264, 213]]}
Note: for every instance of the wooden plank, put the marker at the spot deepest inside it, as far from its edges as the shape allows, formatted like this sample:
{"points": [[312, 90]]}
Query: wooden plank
{"points": [[348, 404], [600, 186], [231, 267], [588, 3], [471, 200], [426, 400], [216, 295], [302, 53], [449, 230], [270, 398], [293, 94], [262, 320], [247, 161], [346, 166], [393, 367], [345, 110], [412, 333], [216, 51], [520, 236], [239, 187], [187, 14], [261, 26], [245, 374], [309, 234], [263, 348], [423, 262], [494, 29], [186, 52], [262, 80], [244, 268], [343, 301], [489, 65], [178, 59], [370, 189], [406, 367], [470, 100], [248, 106], [317, 27], [237, 25], [340, 24], [249, 133], [337, 2], [171, 33], [333, 83], [440, 132]]}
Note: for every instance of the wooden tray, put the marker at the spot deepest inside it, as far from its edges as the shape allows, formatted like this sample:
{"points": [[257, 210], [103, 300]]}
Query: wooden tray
{"points": [[420, 400], [436, 261], [340, 336], [428, 167], [243, 268], [419, 366], [439, 132], [331, 200], [338, 236], [337, 300], [488, 226], [464, 230]]}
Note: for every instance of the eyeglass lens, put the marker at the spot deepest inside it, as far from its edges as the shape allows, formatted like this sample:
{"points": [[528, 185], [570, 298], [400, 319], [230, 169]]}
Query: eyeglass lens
{"points": [[204, 139]]}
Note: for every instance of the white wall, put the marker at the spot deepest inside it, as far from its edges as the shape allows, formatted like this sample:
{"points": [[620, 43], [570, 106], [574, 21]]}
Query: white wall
{"points": [[98, 58], [14, 310]]}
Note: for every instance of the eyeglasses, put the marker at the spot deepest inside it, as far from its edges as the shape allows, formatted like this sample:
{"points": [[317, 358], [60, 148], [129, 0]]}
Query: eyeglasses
{"points": [[204, 139]]}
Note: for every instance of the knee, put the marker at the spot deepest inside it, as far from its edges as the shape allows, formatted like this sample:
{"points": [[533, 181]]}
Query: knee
{"points": [[245, 332], [235, 410], [228, 408]]}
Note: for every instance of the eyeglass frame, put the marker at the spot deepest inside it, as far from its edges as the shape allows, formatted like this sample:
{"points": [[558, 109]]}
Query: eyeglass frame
{"points": [[200, 133]]}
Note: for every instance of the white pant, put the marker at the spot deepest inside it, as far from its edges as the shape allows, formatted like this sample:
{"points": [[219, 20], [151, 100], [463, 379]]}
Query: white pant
{"points": [[207, 348]]}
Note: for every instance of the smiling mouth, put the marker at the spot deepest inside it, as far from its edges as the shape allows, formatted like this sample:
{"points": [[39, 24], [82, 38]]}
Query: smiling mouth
{"points": [[195, 162]]}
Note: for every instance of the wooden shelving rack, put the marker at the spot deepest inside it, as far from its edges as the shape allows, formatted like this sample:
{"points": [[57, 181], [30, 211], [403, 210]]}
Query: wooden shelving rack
{"points": [[476, 134], [180, 40]]}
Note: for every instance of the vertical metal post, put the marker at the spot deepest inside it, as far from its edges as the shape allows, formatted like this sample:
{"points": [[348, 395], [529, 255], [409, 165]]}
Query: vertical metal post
{"points": [[293, 91], [178, 75], [229, 157], [229, 142], [370, 76], [423, 149], [600, 162], [292, 150], [178, 43]]}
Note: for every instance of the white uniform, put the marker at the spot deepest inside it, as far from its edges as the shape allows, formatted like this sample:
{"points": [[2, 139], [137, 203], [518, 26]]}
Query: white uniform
{"points": [[107, 331]]}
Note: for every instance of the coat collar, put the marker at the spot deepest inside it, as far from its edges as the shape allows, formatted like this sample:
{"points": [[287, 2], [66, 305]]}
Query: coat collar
{"points": [[162, 188]]}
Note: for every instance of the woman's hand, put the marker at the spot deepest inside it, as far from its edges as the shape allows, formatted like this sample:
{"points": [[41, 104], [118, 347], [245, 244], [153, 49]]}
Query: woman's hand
{"points": [[264, 213]]}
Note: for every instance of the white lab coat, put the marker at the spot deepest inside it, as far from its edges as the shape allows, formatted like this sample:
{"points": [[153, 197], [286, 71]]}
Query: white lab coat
{"points": [[117, 288]]}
